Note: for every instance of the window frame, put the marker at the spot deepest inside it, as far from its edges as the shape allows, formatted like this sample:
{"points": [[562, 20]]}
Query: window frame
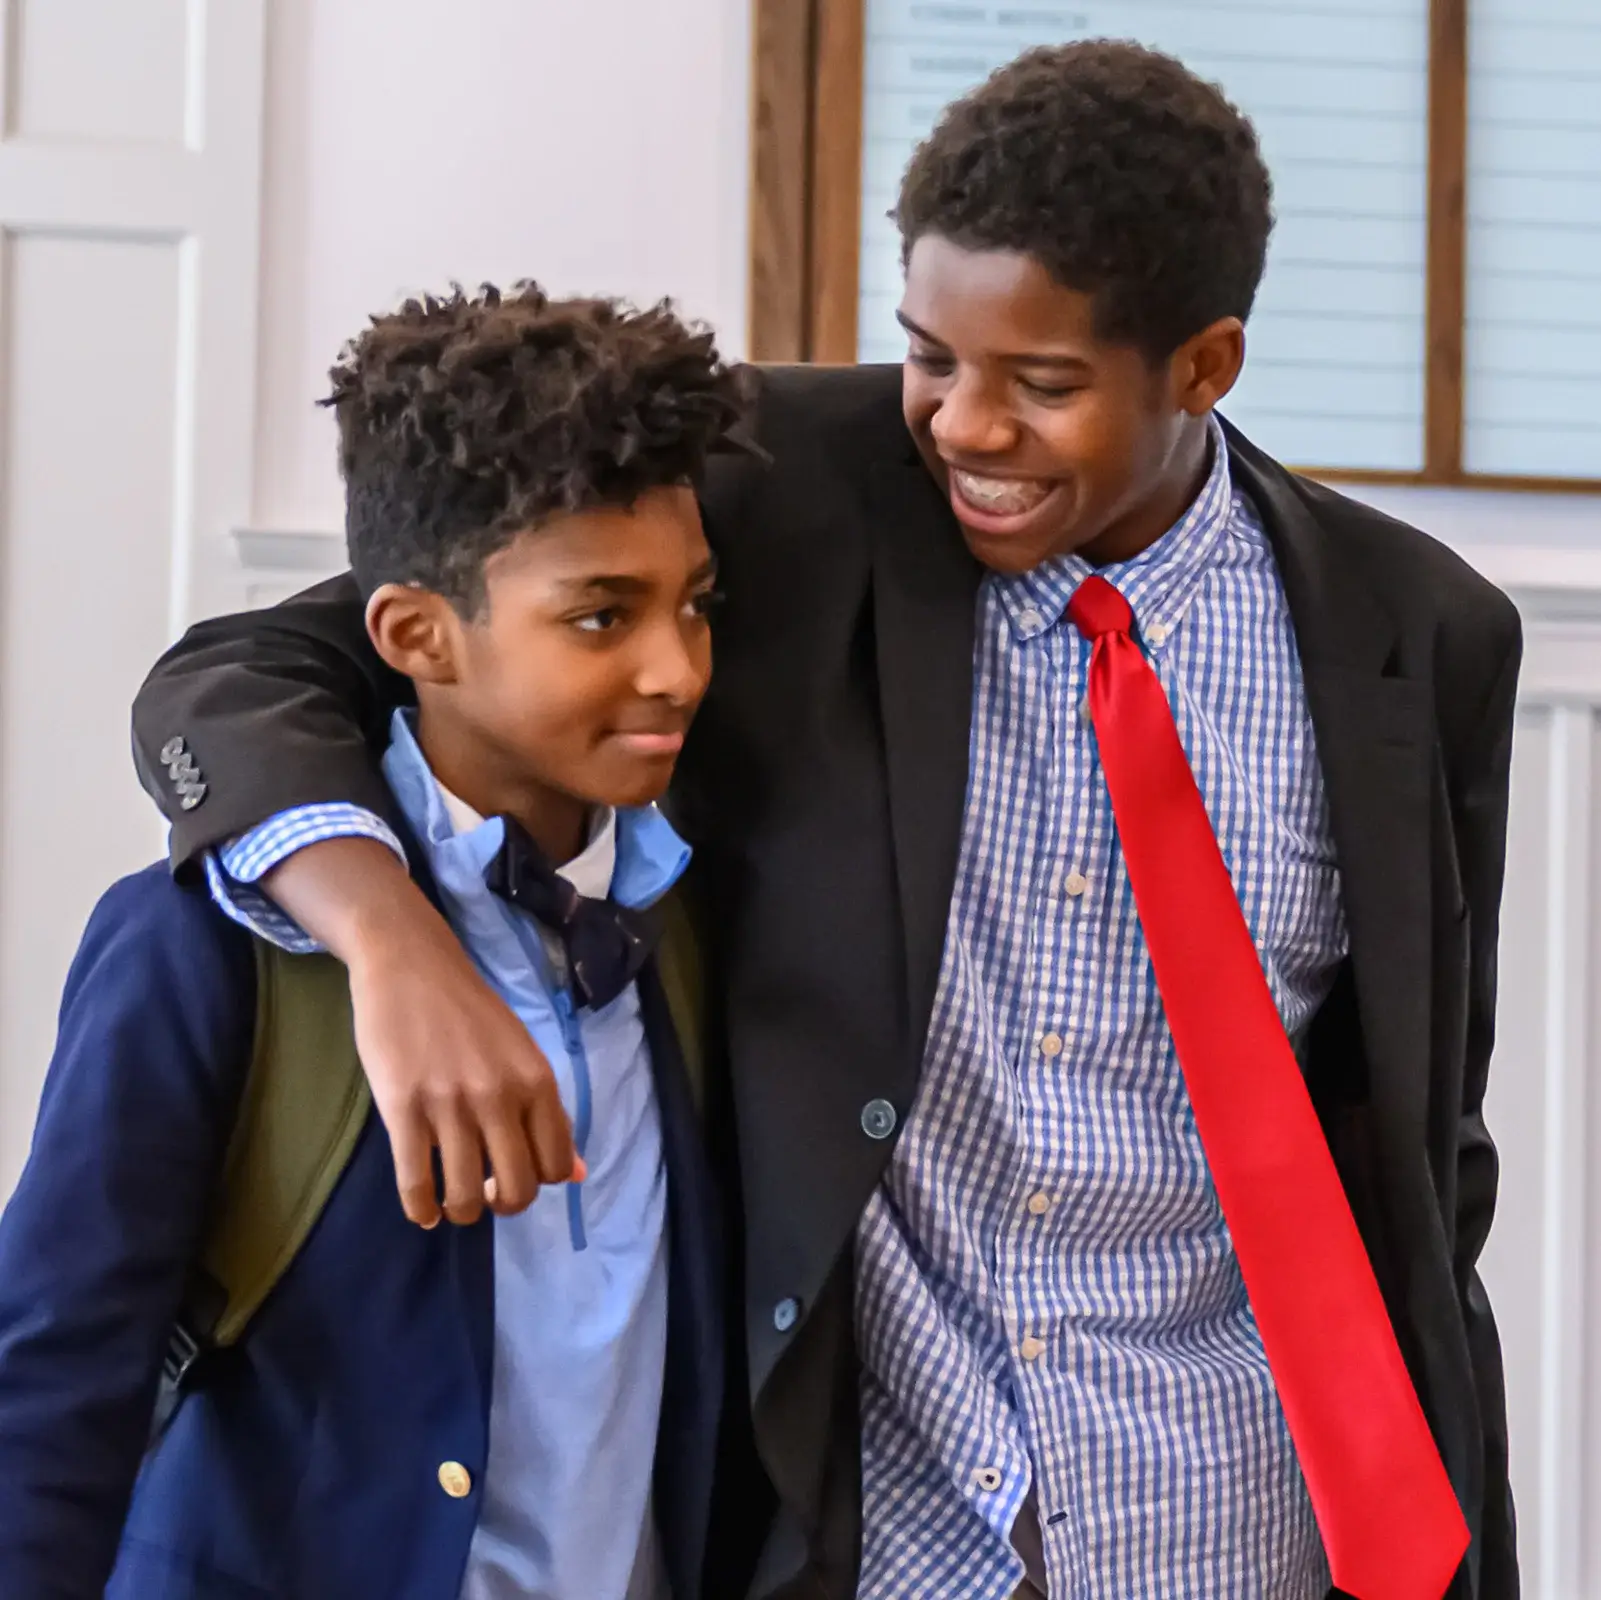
{"points": [[805, 232]]}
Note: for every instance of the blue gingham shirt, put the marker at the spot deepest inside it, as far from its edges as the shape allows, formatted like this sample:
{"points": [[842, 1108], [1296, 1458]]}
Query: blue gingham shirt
{"points": [[1047, 1297]]}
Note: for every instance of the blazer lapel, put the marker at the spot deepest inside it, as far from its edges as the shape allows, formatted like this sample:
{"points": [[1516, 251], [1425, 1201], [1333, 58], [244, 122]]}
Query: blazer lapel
{"points": [[925, 585], [1374, 743]]}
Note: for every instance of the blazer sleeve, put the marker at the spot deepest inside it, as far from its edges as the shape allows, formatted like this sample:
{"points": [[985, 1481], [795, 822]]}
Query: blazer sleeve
{"points": [[277, 708], [1480, 817], [97, 1241]]}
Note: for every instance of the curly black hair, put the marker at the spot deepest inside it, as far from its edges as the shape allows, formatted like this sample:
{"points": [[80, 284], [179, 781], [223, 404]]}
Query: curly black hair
{"points": [[467, 419], [1116, 168]]}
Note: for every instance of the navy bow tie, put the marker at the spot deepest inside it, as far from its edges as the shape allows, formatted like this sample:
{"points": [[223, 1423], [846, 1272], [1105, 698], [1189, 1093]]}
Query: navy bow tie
{"points": [[606, 944]]}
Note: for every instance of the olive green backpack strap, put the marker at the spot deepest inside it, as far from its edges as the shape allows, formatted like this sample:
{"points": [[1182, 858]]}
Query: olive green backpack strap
{"points": [[682, 975], [304, 1104]]}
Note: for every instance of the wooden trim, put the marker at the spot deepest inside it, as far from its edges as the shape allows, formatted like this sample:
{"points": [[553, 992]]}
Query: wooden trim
{"points": [[1509, 483], [781, 180], [1446, 276], [1362, 475], [1523, 484], [836, 164]]}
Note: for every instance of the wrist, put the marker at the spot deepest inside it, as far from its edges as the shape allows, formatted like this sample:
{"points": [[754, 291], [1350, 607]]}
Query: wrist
{"points": [[356, 898], [398, 928]]}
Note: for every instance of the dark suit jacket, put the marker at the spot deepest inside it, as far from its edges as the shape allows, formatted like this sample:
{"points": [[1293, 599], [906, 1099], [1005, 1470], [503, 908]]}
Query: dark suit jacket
{"points": [[302, 1463], [823, 788]]}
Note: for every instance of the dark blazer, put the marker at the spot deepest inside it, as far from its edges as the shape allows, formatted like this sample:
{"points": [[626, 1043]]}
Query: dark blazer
{"points": [[303, 1463], [823, 787]]}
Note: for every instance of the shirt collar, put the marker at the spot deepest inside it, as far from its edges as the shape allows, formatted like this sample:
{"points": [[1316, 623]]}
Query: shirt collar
{"points": [[589, 872], [1158, 583], [633, 853]]}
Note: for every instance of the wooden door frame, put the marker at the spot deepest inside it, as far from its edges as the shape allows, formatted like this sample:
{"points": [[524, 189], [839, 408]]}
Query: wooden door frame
{"points": [[806, 179]]}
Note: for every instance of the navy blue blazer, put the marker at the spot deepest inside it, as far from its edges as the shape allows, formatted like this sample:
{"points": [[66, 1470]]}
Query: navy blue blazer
{"points": [[302, 1464]]}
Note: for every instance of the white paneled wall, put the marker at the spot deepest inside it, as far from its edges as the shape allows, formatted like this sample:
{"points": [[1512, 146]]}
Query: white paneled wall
{"points": [[1544, 1105], [130, 140]]}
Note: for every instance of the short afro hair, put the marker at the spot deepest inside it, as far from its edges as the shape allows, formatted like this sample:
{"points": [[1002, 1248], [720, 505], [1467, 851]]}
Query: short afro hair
{"points": [[1123, 174], [467, 419]]}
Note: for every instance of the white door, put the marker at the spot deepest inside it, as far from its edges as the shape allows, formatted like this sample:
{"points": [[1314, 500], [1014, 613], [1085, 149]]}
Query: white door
{"points": [[130, 143]]}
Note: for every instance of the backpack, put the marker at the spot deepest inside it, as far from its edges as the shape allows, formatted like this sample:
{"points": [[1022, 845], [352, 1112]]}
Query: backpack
{"points": [[304, 1105]]}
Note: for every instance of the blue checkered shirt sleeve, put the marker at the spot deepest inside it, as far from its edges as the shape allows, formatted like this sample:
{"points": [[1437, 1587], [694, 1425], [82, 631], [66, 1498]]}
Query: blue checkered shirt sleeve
{"points": [[234, 872]]}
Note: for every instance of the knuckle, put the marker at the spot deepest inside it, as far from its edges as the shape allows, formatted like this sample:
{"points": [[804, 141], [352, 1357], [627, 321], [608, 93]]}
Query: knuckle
{"points": [[513, 1197], [496, 1096], [439, 1097]]}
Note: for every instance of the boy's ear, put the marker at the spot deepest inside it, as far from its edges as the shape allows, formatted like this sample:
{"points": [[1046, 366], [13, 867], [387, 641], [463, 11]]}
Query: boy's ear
{"points": [[1207, 365], [416, 632]]}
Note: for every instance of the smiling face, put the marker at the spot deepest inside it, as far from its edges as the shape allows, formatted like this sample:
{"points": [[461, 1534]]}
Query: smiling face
{"points": [[1049, 439], [574, 685]]}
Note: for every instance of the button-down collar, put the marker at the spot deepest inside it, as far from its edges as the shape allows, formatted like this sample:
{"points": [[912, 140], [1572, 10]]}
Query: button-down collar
{"points": [[1158, 583]]}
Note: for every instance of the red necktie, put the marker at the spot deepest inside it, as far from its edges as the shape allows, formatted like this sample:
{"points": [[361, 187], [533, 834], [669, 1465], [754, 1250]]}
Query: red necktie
{"points": [[1390, 1522]]}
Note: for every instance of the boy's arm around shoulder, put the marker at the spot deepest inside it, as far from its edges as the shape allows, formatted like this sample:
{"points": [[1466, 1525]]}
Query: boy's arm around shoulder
{"points": [[97, 1241]]}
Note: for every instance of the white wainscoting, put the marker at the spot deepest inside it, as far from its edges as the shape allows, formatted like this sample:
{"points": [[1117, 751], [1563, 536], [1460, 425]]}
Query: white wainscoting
{"points": [[1543, 1264]]}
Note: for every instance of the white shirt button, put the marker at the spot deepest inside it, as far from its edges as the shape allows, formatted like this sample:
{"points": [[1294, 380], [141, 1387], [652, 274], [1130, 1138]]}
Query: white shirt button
{"points": [[1031, 1349], [1039, 1204], [1051, 1046], [1029, 619], [988, 1479], [1074, 884], [1157, 633]]}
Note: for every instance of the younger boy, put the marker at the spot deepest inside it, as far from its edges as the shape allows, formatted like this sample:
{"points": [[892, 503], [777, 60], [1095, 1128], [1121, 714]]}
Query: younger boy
{"points": [[460, 1412]]}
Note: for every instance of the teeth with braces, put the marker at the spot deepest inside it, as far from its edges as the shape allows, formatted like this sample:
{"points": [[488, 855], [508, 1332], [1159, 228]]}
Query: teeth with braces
{"points": [[1000, 494]]}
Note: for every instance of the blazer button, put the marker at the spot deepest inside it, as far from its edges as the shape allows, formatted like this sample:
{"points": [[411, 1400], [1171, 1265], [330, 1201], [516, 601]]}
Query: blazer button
{"points": [[878, 1119], [455, 1480], [786, 1314]]}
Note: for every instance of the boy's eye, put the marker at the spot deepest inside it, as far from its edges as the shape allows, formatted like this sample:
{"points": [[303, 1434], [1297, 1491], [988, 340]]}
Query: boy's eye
{"points": [[602, 621], [1049, 391], [706, 602]]}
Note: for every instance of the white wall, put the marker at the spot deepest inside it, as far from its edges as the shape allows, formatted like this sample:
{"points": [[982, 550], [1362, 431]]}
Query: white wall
{"points": [[597, 146]]}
